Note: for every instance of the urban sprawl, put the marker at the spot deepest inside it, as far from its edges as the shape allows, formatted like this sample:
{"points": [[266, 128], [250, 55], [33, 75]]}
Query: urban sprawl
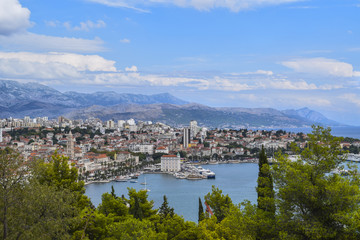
{"points": [[104, 151]]}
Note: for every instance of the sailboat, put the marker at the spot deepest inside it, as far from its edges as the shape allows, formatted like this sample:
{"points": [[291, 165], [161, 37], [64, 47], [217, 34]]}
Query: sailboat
{"points": [[145, 189]]}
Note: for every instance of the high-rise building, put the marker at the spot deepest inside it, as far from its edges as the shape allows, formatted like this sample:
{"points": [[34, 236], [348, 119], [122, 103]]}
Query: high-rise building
{"points": [[1, 135], [194, 129], [186, 137]]}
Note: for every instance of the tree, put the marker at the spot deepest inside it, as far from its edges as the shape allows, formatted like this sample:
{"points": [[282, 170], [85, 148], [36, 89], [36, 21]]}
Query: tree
{"points": [[219, 203], [139, 205], [265, 190], [265, 214], [165, 210], [29, 209], [12, 177], [201, 214], [315, 201], [113, 206], [136, 210], [58, 173]]}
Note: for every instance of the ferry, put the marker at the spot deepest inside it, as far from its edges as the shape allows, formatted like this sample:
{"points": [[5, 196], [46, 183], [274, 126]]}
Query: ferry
{"points": [[206, 172]]}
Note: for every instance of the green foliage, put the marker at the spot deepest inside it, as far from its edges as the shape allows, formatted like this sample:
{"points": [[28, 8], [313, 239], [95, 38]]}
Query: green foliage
{"points": [[58, 173], [140, 207], [112, 206], [265, 189], [165, 210], [131, 229], [315, 202], [29, 209], [201, 214], [219, 203]]}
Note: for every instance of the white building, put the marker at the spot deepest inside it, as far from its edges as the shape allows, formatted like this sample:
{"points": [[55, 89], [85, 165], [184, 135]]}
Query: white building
{"points": [[142, 148], [170, 163], [1, 135], [194, 129]]}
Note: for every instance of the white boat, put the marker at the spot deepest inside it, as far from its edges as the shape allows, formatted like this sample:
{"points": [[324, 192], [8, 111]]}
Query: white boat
{"points": [[145, 189], [122, 179], [353, 157], [133, 181], [206, 172]]}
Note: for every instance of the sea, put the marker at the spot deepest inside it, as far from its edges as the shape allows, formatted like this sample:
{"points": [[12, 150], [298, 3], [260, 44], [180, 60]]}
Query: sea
{"points": [[237, 180]]}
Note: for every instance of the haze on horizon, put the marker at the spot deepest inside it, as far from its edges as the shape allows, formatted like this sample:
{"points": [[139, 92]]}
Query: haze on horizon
{"points": [[281, 54]]}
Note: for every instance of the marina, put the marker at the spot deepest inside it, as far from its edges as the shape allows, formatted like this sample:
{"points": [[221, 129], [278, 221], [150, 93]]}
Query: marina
{"points": [[237, 180]]}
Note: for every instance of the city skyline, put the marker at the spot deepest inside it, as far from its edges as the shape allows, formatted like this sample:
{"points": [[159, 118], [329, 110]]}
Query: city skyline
{"points": [[281, 54]]}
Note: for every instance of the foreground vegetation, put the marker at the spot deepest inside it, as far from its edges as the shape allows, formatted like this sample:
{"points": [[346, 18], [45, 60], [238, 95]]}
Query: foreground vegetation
{"points": [[310, 198]]}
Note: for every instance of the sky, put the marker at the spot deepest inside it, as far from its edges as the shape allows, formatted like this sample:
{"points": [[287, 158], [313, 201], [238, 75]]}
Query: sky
{"points": [[282, 54]]}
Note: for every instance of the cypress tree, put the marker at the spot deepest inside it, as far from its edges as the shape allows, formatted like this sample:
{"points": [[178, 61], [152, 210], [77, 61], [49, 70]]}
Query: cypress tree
{"points": [[265, 189], [201, 215], [113, 191]]}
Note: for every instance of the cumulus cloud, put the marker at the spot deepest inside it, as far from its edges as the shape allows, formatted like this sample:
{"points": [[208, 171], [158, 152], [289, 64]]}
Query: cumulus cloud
{"points": [[322, 66], [51, 65], [131, 69], [35, 42], [13, 17], [85, 26], [202, 5]]}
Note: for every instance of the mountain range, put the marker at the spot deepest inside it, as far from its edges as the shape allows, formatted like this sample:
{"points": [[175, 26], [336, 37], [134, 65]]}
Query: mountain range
{"points": [[33, 99]]}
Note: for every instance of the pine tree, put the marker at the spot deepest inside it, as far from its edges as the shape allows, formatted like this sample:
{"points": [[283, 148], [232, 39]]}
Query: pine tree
{"points": [[136, 211], [201, 215], [165, 210]]}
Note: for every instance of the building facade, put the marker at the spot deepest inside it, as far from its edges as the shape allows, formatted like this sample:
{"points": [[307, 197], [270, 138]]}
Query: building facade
{"points": [[170, 163]]}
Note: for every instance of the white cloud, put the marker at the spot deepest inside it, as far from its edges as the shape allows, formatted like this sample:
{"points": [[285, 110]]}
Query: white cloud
{"points": [[125, 40], [36, 42], [85, 26], [322, 66], [136, 79], [227, 85], [202, 5], [286, 84], [51, 65], [352, 98], [131, 69], [13, 17], [260, 72]]}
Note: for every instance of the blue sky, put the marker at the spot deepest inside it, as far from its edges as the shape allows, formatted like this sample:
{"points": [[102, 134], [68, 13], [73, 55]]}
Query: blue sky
{"points": [[235, 53]]}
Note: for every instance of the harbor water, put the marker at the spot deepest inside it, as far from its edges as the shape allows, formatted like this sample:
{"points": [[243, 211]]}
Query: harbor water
{"points": [[237, 180]]}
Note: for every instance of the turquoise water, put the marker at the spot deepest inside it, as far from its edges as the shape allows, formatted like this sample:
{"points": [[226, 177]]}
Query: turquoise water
{"points": [[237, 180]]}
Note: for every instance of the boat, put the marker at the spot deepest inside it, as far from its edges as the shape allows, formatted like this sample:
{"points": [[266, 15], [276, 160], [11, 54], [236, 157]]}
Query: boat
{"points": [[122, 178], [206, 172], [145, 189], [194, 177], [133, 181], [353, 157], [134, 176]]}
